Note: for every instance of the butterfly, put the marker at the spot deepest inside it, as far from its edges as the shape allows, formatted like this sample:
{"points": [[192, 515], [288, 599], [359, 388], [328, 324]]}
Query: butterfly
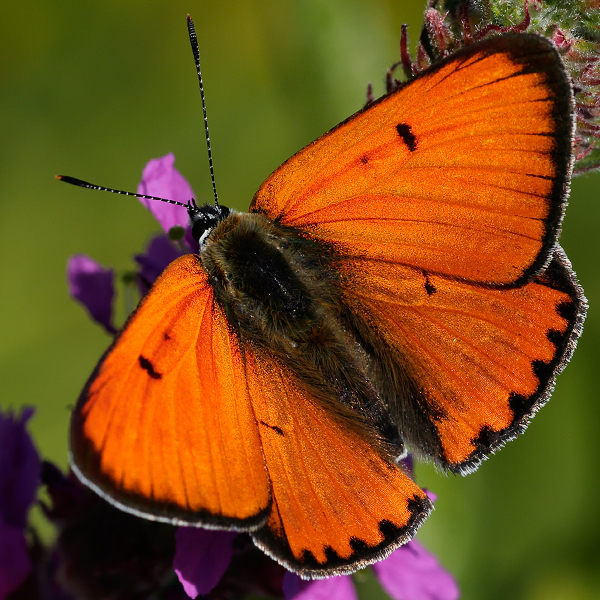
{"points": [[396, 285]]}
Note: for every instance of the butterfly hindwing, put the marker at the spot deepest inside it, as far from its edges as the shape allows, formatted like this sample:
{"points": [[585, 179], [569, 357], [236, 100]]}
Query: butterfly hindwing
{"points": [[477, 361], [339, 499], [338, 503], [462, 172], [165, 426]]}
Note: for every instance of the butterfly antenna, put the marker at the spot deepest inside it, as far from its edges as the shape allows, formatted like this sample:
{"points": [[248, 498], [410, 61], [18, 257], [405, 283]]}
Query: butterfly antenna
{"points": [[92, 186], [196, 52]]}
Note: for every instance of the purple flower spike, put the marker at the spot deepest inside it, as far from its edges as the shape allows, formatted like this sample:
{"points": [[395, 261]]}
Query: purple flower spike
{"points": [[201, 558], [161, 252], [332, 588], [92, 285], [160, 178], [19, 479], [19, 469], [412, 573], [15, 563]]}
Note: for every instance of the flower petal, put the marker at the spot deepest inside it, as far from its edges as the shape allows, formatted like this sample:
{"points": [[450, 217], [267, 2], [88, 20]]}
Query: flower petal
{"points": [[92, 285], [160, 178], [15, 564], [412, 573], [430, 495], [201, 558], [332, 588], [160, 253], [19, 469]]}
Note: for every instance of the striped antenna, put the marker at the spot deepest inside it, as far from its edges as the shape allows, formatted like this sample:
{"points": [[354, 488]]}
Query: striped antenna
{"points": [[91, 186], [196, 52]]}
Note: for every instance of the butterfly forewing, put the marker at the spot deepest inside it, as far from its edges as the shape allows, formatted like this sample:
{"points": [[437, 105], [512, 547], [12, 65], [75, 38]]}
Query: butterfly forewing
{"points": [[461, 172], [165, 426]]}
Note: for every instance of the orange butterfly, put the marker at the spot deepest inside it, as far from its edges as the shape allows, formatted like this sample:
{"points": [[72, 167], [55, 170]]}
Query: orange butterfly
{"points": [[398, 281]]}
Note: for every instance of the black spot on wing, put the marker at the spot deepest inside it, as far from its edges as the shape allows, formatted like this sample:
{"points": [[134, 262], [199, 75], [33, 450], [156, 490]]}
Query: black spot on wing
{"points": [[407, 136], [149, 368], [429, 287], [276, 429]]}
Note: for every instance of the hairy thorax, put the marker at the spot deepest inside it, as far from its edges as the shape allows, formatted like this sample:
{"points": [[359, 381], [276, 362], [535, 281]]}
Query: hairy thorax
{"points": [[268, 278]]}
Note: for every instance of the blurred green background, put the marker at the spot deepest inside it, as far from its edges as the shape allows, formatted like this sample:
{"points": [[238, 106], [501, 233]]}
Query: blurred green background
{"points": [[96, 89]]}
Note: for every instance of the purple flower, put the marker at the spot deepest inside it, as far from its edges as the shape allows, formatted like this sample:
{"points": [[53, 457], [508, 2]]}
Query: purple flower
{"points": [[332, 588], [15, 564], [412, 573], [160, 178], [19, 479], [201, 558], [409, 573], [160, 253], [19, 468], [92, 285]]}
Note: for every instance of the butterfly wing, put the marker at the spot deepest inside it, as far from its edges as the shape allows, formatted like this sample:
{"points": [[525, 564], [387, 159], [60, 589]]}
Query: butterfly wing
{"points": [[165, 426], [462, 172], [442, 202], [478, 361], [182, 422], [338, 504]]}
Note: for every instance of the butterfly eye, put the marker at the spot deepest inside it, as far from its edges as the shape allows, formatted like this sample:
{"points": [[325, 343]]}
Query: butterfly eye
{"points": [[204, 219]]}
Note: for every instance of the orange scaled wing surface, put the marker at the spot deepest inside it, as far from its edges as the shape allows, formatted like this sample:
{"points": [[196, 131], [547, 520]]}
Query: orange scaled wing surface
{"points": [[482, 360], [461, 172], [337, 503], [165, 427]]}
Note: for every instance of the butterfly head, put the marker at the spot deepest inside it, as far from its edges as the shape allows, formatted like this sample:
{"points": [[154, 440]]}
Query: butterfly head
{"points": [[204, 219]]}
